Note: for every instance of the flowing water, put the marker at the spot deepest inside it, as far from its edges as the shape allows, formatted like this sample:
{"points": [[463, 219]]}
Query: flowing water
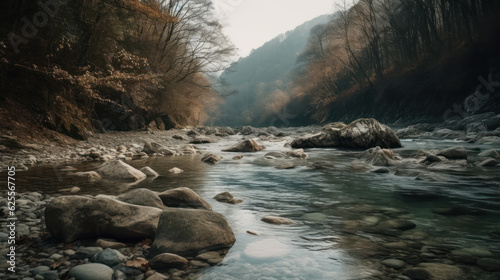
{"points": [[324, 203]]}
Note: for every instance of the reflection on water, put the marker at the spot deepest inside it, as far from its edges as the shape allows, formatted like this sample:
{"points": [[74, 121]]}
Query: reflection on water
{"points": [[327, 206]]}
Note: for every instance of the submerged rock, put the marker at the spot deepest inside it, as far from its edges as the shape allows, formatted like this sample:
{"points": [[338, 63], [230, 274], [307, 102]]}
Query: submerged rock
{"points": [[247, 146], [186, 232], [69, 218], [435, 271], [362, 133], [488, 162], [277, 220], [183, 198], [379, 157], [458, 152], [267, 249], [120, 170], [91, 176]]}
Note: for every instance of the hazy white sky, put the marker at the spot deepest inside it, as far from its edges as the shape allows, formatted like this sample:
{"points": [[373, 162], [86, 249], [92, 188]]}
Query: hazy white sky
{"points": [[251, 23]]}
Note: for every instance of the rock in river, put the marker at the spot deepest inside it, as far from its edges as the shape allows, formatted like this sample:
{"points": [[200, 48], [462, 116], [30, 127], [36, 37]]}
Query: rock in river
{"points": [[69, 218], [186, 232], [168, 261], [277, 220], [435, 271], [362, 133], [246, 146], [211, 158], [120, 170], [227, 198], [458, 152], [183, 198]]}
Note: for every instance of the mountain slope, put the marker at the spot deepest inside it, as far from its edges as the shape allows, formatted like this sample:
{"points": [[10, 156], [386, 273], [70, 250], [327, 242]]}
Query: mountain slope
{"points": [[261, 77]]}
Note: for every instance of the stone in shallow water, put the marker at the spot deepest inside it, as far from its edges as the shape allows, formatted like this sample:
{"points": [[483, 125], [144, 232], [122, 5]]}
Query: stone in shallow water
{"points": [[267, 249], [489, 264], [91, 271], [149, 171], [277, 220], [393, 263], [120, 170], [435, 271], [314, 217], [168, 261]]}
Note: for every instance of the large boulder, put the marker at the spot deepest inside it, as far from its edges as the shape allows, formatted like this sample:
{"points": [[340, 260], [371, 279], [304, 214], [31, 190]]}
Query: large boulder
{"points": [[143, 197], [458, 152], [69, 218], [183, 198], [120, 170], [362, 133], [186, 232], [247, 146]]}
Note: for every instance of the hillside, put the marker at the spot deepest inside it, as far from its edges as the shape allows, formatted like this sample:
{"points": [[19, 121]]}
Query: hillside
{"points": [[261, 78]]}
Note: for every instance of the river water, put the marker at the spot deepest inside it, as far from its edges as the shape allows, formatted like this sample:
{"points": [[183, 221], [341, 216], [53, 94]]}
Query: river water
{"points": [[327, 205]]}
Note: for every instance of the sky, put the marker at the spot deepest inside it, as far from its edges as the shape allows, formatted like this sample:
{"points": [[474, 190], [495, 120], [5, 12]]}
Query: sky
{"points": [[251, 23]]}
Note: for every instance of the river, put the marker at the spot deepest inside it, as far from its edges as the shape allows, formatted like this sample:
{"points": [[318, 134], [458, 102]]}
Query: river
{"points": [[328, 205]]}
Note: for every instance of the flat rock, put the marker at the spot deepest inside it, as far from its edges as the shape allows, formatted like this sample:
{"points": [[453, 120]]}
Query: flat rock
{"points": [[176, 170], [155, 148], [183, 198], [457, 152], [91, 271], [277, 220], [435, 271], [168, 261], [188, 231], [362, 133], [119, 170]]}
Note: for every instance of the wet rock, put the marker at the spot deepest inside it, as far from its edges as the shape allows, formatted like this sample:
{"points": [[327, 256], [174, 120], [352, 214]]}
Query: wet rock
{"points": [[476, 252], [489, 140], [488, 162], [435, 271], [334, 126], [458, 152], [362, 133], [143, 197], [286, 165], [91, 176], [393, 263], [91, 271], [168, 261], [179, 137], [120, 170], [105, 244], [69, 218], [211, 158], [489, 264], [275, 155], [448, 134], [247, 130], [277, 220], [201, 140], [379, 157], [188, 150], [299, 153], [176, 170], [193, 133], [238, 157], [149, 171], [188, 231], [183, 198], [247, 146], [489, 153], [410, 132], [109, 257], [381, 171], [227, 198], [155, 148], [456, 210], [323, 165], [71, 190]]}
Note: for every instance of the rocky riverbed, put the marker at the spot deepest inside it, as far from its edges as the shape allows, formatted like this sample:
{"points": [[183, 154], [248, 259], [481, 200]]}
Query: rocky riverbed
{"points": [[392, 241]]}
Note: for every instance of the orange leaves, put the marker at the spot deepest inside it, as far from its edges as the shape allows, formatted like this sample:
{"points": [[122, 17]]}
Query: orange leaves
{"points": [[151, 11]]}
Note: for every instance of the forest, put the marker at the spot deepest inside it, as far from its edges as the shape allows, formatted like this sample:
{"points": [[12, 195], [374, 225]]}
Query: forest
{"points": [[109, 65]]}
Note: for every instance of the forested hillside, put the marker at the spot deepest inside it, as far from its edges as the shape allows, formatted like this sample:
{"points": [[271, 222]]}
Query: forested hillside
{"points": [[258, 83], [397, 60], [107, 65]]}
